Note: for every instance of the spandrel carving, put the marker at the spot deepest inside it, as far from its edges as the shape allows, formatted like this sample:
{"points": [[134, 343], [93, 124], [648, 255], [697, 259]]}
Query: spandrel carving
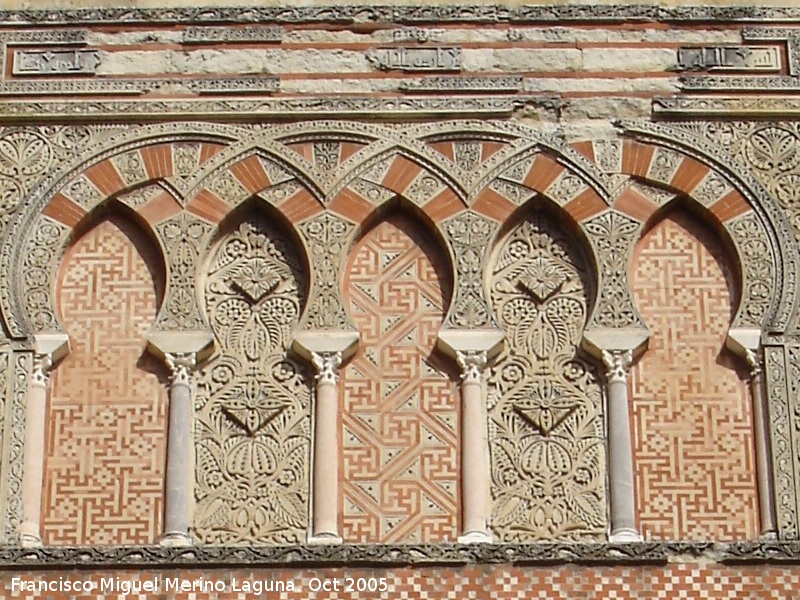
{"points": [[545, 418], [253, 426]]}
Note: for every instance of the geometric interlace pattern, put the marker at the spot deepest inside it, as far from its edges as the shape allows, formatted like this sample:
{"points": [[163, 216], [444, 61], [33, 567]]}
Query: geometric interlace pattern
{"points": [[106, 423], [693, 430], [399, 414]]}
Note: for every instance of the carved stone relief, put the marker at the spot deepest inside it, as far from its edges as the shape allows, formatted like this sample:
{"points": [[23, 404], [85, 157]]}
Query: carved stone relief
{"points": [[14, 424], [613, 234], [469, 234], [181, 236], [545, 404], [326, 236], [42, 251], [253, 427]]}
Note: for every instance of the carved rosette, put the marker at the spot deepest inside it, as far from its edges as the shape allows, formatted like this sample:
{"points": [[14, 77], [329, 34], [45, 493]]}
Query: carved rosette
{"points": [[253, 425], [545, 421]]}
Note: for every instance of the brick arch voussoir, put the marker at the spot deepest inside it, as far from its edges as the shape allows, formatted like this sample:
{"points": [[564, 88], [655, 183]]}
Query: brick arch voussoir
{"points": [[101, 162], [720, 202], [46, 254]]}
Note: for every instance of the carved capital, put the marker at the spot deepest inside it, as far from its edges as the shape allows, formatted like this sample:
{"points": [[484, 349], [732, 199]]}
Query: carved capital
{"points": [[42, 363], [754, 362], [326, 364], [472, 363], [181, 365], [617, 362]]}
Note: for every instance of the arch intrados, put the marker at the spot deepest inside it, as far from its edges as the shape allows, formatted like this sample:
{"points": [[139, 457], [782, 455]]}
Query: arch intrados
{"points": [[398, 205], [135, 229], [682, 205], [252, 206]]}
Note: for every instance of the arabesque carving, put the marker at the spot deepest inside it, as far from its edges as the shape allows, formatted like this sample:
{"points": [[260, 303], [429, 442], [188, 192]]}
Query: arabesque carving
{"points": [[181, 236], [42, 251], [545, 404], [613, 235], [253, 427], [468, 234], [326, 236]]}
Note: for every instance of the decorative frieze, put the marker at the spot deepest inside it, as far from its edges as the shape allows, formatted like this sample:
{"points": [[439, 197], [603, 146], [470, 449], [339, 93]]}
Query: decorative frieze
{"points": [[444, 58], [510, 83], [727, 106], [411, 14], [226, 85], [247, 109], [765, 83], [55, 62], [733, 58], [231, 35]]}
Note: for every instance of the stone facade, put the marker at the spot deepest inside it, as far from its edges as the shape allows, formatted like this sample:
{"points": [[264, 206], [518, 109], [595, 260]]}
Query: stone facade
{"points": [[488, 300]]}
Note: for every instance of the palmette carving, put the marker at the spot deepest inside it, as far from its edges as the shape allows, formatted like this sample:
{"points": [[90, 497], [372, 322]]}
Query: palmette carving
{"points": [[545, 421], [253, 423]]}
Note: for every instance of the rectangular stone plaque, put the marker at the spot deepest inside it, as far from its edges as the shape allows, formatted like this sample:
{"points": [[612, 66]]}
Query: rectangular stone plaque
{"points": [[416, 59], [55, 62], [231, 35], [729, 58]]}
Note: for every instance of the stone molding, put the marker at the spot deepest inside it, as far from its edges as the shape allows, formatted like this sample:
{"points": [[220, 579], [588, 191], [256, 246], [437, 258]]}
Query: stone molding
{"points": [[410, 15], [654, 553]]}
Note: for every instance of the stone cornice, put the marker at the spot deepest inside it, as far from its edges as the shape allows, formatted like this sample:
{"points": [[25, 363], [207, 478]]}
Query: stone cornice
{"points": [[347, 14]]}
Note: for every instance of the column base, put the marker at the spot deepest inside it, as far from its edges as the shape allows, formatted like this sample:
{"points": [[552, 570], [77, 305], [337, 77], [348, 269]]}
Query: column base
{"points": [[175, 539], [768, 535], [625, 535], [29, 536], [476, 537], [324, 539]]}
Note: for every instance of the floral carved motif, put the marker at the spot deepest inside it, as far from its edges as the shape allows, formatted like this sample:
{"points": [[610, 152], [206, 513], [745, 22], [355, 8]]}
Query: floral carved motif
{"points": [[613, 235], [545, 420], [39, 264], [181, 236], [469, 234], [326, 236], [253, 424]]}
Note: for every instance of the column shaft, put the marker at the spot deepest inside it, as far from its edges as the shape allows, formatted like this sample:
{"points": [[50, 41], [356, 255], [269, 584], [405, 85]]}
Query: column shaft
{"points": [[33, 457], [766, 493], [474, 450], [325, 526], [620, 450], [180, 447]]}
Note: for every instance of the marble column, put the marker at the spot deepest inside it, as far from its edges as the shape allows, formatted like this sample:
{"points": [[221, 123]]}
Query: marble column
{"points": [[326, 350], [180, 450], [475, 474], [49, 349], [766, 492], [620, 448], [182, 351], [33, 458], [325, 526]]}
